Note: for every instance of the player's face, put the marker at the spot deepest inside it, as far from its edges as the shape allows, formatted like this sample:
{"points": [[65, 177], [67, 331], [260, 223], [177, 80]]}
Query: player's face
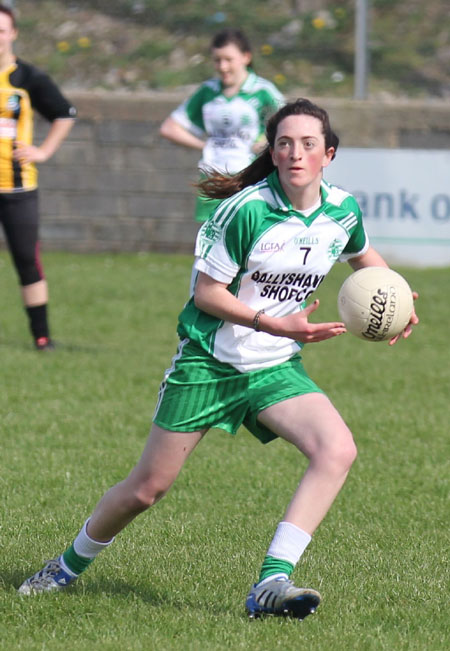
{"points": [[231, 64], [7, 34], [299, 152]]}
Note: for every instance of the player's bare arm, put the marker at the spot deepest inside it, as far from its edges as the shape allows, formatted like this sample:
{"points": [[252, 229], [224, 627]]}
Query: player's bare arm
{"points": [[58, 132], [213, 297]]}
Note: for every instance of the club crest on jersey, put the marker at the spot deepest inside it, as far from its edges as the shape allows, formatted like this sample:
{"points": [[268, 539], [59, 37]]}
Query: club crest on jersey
{"points": [[335, 249], [210, 232], [13, 102]]}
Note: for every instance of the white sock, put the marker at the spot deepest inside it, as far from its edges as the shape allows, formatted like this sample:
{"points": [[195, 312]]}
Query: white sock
{"points": [[289, 543], [86, 546]]}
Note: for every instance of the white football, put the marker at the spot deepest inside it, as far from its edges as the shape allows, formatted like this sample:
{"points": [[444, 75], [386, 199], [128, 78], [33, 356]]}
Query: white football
{"points": [[375, 303]]}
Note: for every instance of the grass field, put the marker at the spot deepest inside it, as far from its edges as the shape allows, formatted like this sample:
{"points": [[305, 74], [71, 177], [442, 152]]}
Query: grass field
{"points": [[74, 421]]}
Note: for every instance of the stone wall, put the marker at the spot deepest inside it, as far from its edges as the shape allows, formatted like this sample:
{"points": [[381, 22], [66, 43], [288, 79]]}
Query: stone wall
{"points": [[115, 185]]}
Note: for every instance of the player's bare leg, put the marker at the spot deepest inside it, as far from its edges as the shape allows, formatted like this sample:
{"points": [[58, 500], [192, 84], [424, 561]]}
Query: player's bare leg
{"points": [[160, 463], [314, 426]]}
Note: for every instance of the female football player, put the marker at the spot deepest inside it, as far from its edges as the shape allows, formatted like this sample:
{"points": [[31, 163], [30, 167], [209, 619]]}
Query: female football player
{"points": [[24, 89], [225, 117], [268, 246]]}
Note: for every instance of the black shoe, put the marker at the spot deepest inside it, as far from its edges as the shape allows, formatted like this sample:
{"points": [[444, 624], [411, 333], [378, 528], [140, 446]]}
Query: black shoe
{"points": [[44, 343]]}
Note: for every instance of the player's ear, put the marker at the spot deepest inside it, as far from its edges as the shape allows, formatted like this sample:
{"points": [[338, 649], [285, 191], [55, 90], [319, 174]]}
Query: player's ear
{"points": [[272, 155], [328, 157]]}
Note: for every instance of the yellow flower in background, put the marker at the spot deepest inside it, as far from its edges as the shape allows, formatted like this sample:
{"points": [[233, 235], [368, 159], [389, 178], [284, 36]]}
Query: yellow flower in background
{"points": [[84, 42], [318, 23], [63, 46], [279, 79], [266, 49]]}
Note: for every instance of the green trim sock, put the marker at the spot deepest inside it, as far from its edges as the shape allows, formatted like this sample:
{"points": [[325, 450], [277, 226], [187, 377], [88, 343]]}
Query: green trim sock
{"points": [[75, 562], [82, 552], [285, 550], [273, 566]]}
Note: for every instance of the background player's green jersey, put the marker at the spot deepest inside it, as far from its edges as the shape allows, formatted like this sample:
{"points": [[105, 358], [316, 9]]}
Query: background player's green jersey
{"points": [[231, 124], [272, 257]]}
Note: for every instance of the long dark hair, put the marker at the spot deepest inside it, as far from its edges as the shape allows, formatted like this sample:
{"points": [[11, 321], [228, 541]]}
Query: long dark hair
{"points": [[220, 186]]}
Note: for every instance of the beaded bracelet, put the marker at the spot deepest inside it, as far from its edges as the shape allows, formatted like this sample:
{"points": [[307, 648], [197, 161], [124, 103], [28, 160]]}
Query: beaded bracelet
{"points": [[255, 323]]}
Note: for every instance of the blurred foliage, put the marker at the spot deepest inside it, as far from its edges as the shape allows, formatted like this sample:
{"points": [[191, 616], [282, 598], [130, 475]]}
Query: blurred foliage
{"points": [[305, 46]]}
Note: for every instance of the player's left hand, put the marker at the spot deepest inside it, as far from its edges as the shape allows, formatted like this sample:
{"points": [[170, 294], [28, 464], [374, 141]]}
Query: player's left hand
{"points": [[28, 153], [298, 327], [414, 320]]}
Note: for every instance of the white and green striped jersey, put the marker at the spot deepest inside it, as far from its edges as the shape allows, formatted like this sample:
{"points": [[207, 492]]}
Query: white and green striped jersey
{"points": [[231, 124], [272, 257]]}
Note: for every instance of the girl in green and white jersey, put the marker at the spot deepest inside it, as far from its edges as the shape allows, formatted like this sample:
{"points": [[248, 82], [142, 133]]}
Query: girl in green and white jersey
{"points": [[268, 246], [225, 118]]}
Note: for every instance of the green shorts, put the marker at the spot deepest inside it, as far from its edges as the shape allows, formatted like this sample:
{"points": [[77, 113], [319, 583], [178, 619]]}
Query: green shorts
{"points": [[198, 392]]}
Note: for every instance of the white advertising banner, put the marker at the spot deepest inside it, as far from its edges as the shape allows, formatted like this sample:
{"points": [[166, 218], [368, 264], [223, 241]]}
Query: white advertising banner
{"points": [[405, 198]]}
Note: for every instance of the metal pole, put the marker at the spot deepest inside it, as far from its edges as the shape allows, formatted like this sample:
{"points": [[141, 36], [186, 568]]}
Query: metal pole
{"points": [[361, 66]]}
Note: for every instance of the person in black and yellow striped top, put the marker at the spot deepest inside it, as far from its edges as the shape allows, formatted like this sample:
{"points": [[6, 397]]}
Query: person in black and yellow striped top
{"points": [[23, 90]]}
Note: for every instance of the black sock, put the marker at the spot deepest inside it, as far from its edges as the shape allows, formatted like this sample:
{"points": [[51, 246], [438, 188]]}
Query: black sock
{"points": [[38, 320]]}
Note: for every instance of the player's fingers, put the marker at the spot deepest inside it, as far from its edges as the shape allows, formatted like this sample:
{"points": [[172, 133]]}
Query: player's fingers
{"points": [[321, 333], [407, 331], [311, 308], [325, 327], [403, 335]]}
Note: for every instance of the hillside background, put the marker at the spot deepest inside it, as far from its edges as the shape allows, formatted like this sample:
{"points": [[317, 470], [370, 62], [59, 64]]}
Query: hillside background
{"points": [[304, 46]]}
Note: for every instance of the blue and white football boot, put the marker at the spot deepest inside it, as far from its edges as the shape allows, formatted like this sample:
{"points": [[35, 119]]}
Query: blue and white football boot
{"points": [[282, 598], [52, 577]]}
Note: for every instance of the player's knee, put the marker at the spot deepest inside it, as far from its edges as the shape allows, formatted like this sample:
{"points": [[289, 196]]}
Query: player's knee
{"points": [[348, 453], [147, 494], [338, 454]]}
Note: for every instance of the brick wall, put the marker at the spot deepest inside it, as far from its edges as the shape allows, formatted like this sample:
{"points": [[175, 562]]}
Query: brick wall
{"points": [[115, 185]]}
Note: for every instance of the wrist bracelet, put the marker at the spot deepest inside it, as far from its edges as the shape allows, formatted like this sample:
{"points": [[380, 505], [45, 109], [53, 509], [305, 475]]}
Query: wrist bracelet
{"points": [[255, 322]]}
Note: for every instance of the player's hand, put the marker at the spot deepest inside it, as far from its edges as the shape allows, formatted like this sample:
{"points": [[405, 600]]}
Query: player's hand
{"points": [[28, 153], [296, 326], [414, 320]]}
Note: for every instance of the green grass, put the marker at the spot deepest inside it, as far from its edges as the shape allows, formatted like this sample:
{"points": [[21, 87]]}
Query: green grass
{"points": [[74, 422]]}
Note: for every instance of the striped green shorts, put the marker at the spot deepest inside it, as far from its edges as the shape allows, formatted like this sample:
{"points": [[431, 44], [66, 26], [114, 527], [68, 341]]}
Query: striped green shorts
{"points": [[198, 392]]}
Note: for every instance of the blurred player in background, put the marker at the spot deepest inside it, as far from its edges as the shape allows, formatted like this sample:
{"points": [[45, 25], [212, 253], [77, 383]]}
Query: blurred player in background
{"points": [[262, 253], [23, 89], [225, 118]]}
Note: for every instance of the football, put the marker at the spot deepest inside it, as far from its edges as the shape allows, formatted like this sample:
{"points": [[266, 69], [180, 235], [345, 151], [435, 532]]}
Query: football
{"points": [[375, 303]]}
